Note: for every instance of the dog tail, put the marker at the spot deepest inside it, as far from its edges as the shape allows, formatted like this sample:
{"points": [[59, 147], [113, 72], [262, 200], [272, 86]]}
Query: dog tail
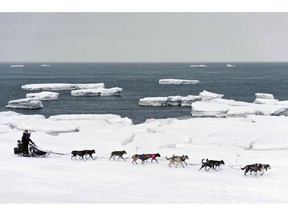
{"points": [[168, 158], [242, 168], [202, 160]]}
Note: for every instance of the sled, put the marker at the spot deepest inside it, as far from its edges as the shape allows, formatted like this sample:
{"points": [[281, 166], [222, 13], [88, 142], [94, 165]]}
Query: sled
{"points": [[33, 149]]}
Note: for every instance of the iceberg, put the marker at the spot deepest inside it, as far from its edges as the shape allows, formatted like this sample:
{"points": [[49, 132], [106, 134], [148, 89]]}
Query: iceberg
{"points": [[97, 92], [25, 103], [230, 65], [60, 86], [178, 81], [45, 95]]}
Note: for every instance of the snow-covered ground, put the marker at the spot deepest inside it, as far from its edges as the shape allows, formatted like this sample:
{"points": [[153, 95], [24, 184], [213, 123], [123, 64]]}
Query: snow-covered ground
{"points": [[58, 179]]}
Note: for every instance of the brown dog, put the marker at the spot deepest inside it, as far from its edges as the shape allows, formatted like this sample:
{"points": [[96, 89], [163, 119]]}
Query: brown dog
{"points": [[138, 157], [119, 154]]}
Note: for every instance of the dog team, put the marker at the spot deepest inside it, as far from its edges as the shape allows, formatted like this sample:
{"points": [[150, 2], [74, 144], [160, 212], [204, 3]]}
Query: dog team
{"points": [[175, 160]]}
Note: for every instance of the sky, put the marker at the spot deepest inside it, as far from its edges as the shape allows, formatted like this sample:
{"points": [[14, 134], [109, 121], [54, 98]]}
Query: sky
{"points": [[143, 37]]}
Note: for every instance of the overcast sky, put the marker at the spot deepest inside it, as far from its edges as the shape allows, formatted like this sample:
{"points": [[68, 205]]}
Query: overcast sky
{"points": [[143, 37]]}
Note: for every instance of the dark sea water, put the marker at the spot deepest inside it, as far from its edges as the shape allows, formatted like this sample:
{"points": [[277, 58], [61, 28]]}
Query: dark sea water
{"points": [[140, 80]]}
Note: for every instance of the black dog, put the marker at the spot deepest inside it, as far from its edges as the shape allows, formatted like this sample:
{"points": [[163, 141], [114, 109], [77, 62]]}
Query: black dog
{"points": [[255, 168], [206, 165], [119, 154], [89, 153], [215, 163], [77, 153], [81, 154]]}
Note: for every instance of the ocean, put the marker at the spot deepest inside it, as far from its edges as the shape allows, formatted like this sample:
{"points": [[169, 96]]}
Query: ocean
{"points": [[140, 80]]}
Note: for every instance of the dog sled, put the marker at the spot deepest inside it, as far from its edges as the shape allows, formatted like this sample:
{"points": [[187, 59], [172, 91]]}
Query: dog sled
{"points": [[33, 149]]}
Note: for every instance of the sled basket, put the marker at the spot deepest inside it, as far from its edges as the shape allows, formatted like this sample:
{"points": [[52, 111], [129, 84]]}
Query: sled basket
{"points": [[35, 152]]}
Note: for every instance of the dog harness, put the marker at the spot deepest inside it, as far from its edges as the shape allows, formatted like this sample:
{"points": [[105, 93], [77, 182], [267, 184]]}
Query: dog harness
{"points": [[141, 157], [153, 156]]}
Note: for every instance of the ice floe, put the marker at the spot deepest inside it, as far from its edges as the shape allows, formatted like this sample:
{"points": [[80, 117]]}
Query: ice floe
{"points": [[18, 65], [197, 65], [213, 106], [45, 95], [169, 101], [97, 92], [178, 81], [61, 86], [25, 103]]}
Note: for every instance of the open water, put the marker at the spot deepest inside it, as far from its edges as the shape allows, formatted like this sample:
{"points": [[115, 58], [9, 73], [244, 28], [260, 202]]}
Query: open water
{"points": [[140, 80]]}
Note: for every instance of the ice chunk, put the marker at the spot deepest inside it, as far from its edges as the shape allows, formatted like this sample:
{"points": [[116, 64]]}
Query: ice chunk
{"points": [[209, 109], [200, 65], [153, 101], [60, 86], [264, 96], [19, 65], [45, 95], [77, 117], [97, 92], [189, 99], [230, 65], [174, 100], [25, 103], [206, 95], [230, 108], [178, 81], [265, 101], [169, 101]]}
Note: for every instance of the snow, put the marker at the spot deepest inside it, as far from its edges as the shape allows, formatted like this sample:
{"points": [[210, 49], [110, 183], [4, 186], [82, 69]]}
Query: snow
{"points": [[97, 92], [178, 81], [58, 179], [45, 95], [25, 103], [60, 86]]}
